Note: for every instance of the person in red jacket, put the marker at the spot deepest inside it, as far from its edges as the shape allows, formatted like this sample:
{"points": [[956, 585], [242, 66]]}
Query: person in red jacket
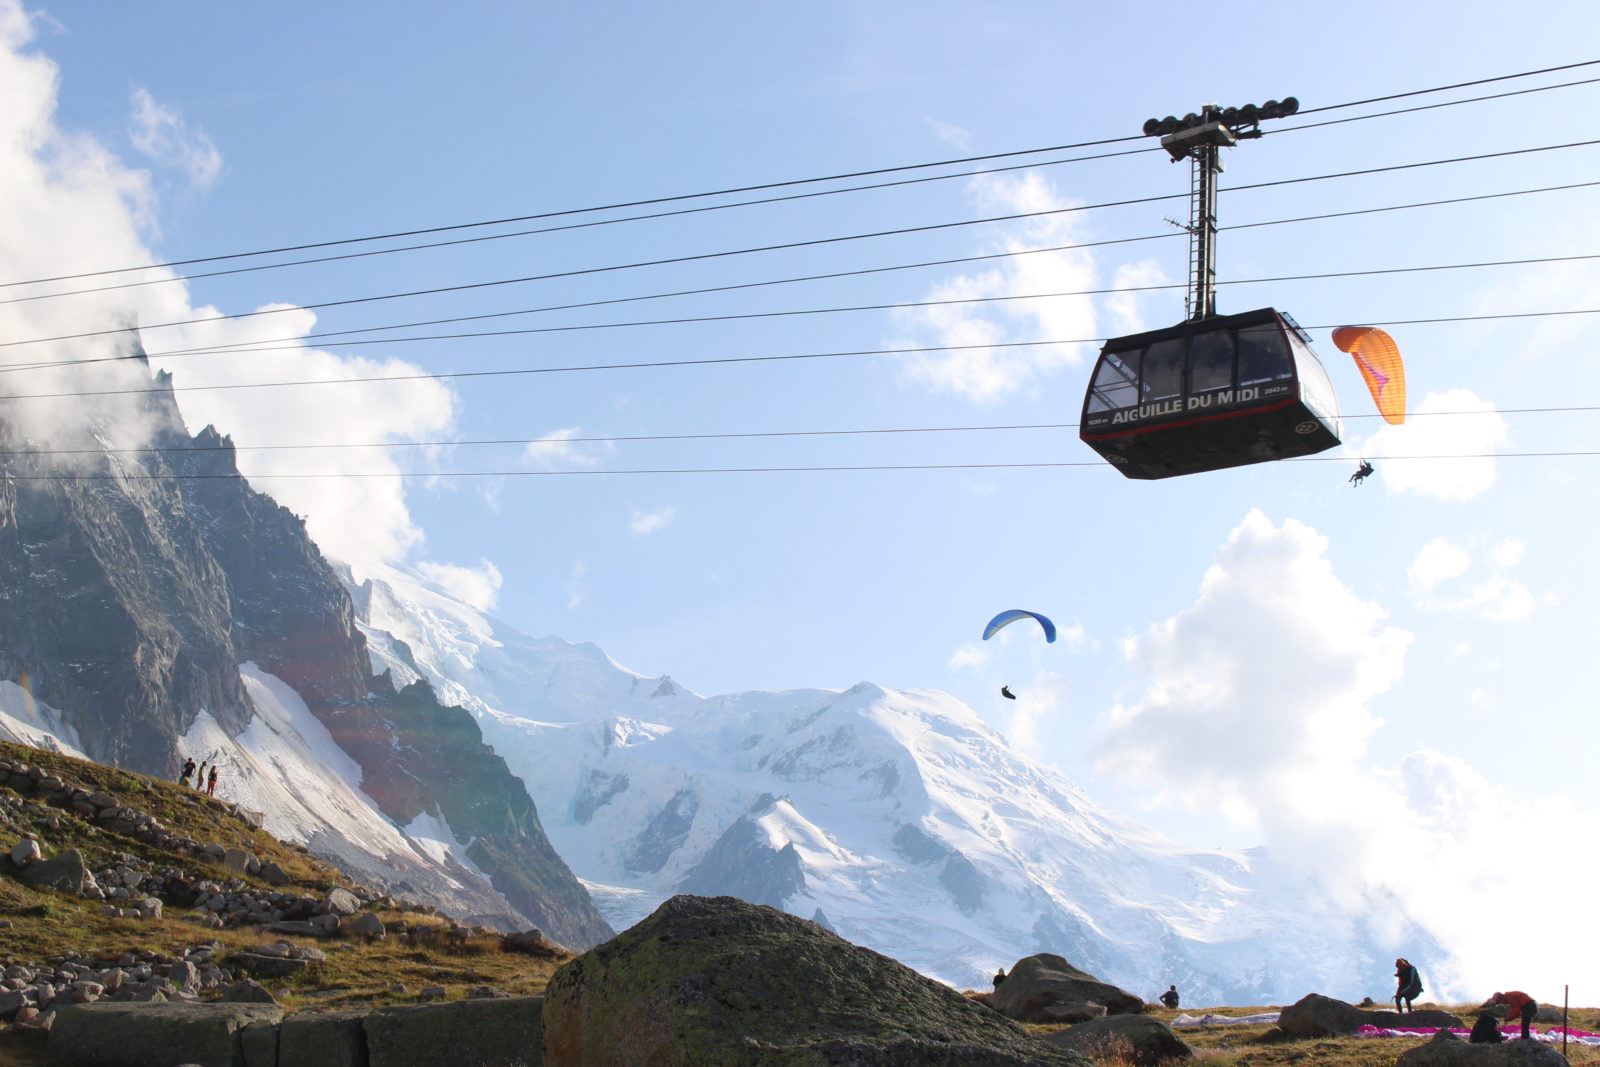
{"points": [[1518, 1004]]}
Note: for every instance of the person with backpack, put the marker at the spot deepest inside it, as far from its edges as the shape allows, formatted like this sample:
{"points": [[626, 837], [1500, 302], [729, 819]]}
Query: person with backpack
{"points": [[188, 769], [1170, 997], [1408, 984]]}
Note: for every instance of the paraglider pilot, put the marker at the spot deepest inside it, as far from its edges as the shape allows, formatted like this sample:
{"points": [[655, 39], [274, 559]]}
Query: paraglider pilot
{"points": [[1361, 474], [1006, 692]]}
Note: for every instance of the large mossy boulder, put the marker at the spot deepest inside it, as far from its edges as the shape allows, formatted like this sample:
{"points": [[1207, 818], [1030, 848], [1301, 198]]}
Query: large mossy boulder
{"points": [[1148, 1040], [1042, 981], [1315, 1015], [718, 982], [1448, 1050], [154, 1035]]}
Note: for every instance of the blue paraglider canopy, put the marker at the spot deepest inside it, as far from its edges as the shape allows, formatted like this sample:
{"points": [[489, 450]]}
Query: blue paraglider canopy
{"points": [[1006, 618]]}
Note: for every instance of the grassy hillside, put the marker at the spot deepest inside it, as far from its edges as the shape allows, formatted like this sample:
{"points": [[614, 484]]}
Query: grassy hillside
{"points": [[357, 972]]}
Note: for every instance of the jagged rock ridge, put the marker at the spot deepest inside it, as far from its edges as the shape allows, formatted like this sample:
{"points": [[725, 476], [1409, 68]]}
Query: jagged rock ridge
{"points": [[138, 584]]}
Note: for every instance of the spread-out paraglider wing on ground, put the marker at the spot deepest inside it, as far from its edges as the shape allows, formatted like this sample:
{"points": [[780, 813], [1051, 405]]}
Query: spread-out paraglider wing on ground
{"points": [[1379, 359], [1006, 618]]}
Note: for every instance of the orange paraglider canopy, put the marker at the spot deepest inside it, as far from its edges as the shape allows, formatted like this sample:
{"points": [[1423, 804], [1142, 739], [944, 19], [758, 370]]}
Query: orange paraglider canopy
{"points": [[1379, 359]]}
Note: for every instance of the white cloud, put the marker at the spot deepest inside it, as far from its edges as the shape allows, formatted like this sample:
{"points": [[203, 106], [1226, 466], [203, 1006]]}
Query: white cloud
{"points": [[982, 371], [955, 136], [1508, 553], [1497, 597], [557, 451], [642, 523], [970, 657], [1254, 702], [75, 207], [1436, 561], [478, 586], [162, 135], [577, 587], [1256, 697], [1127, 309], [1473, 430]]}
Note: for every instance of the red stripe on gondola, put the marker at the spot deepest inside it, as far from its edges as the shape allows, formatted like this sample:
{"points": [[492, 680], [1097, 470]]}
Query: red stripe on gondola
{"points": [[1191, 422]]}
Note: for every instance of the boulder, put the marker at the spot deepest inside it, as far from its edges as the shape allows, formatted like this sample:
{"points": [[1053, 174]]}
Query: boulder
{"points": [[1079, 1012], [533, 943], [366, 925], [236, 860], [329, 1039], [272, 874], [718, 982], [1043, 980], [25, 852], [1315, 1015], [508, 1031], [65, 873], [254, 963], [1448, 1050], [340, 902], [1152, 1040], [152, 1035], [247, 991]]}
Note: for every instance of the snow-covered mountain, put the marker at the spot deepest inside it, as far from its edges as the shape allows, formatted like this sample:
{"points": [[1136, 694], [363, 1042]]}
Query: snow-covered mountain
{"points": [[898, 818]]}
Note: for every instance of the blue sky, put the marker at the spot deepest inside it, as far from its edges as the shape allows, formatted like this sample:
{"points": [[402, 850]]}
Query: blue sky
{"points": [[1383, 678]]}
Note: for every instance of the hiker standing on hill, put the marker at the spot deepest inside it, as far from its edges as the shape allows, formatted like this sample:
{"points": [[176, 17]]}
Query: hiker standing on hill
{"points": [[188, 769], [1518, 1005], [211, 782], [1408, 984], [1170, 997]]}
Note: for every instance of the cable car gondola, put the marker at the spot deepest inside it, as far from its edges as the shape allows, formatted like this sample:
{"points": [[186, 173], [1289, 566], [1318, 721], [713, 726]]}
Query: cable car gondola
{"points": [[1219, 392], [1214, 391]]}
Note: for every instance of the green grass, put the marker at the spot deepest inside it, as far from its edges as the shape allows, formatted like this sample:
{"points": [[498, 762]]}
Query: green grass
{"points": [[356, 973]]}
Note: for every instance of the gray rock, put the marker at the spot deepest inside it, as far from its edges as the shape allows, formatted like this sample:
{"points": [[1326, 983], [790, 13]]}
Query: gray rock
{"points": [[366, 925], [297, 928], [152, 1035], [1079, 1012], [485, 992], [431, 992], [718, 982], [272, 874], [342, 902], [236, 860], [66, 873], [1315, 1015], [1152, 1041], [25, 852], [247, 991], [260, 966], [1041, 981], [508, 1031], [1448, 1050], [184, 975], [331, 1039], [258, 1045]]}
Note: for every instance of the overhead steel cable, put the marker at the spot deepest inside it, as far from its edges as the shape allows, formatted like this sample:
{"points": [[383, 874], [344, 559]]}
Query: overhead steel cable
{"points": [[734, 190], [899, 306], [1032, 165], [258, 345], [790, 245], [713, 361], [189, 450], [122, 476]]}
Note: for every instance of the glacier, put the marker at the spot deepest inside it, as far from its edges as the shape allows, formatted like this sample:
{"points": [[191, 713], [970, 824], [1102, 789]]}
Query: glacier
{"points": [[898, 818]]}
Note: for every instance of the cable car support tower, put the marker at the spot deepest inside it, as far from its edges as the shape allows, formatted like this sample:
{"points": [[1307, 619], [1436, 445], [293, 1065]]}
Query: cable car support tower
{"points": [[1200, 137]]}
